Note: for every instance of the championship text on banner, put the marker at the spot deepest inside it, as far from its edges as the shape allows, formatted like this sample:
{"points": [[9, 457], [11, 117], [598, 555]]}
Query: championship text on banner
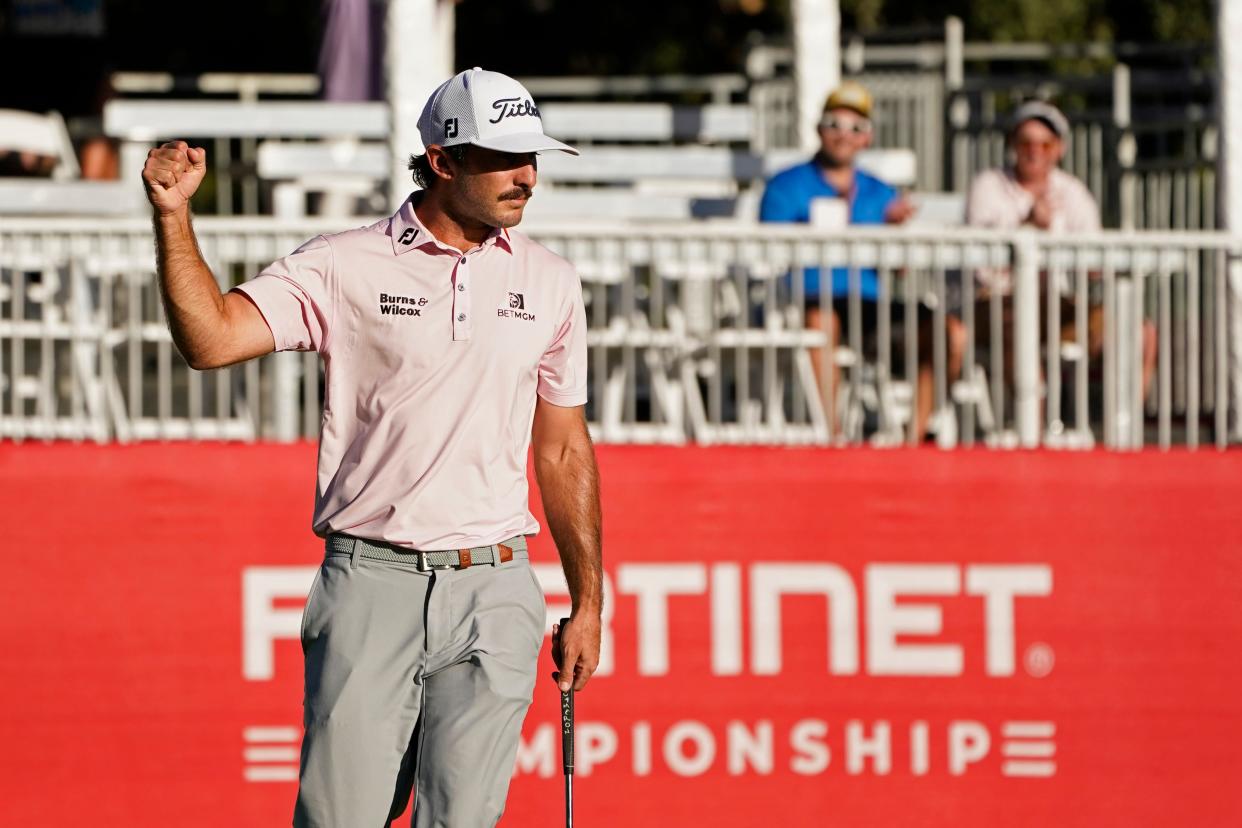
{"points": [[792, 637]]}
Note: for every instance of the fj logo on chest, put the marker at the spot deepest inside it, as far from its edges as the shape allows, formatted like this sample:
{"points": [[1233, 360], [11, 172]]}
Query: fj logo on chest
{"points": [[392, 305], [516, 309]]}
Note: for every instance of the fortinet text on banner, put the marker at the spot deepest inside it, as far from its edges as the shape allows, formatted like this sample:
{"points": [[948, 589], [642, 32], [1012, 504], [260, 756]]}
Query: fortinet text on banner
{"points": [[886, 614], [801, 638]]}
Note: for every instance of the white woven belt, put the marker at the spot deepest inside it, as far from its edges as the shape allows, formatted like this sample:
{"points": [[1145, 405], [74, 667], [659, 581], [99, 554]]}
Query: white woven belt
{"points": [[498, 553]]}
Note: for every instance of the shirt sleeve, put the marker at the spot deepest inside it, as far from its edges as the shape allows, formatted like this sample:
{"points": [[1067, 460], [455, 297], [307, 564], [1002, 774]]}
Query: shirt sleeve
{"points": [[871, 209], [563, 366], [981, 202], [295, 298], [1082, 214], [776, 204]]}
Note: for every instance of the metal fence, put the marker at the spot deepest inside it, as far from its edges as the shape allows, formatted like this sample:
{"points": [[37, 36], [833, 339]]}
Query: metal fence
{"points": [[1142, 115], [698, 332]]}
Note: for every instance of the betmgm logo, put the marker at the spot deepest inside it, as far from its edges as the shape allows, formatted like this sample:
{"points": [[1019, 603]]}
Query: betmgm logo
{"points": [[516, 309]]}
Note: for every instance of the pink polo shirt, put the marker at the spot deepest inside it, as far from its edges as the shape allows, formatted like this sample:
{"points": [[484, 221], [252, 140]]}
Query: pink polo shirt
{"points": [[432, 361], [997, 200]]}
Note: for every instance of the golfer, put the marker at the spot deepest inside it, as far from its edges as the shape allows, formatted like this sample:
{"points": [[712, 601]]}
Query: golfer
{"points": [[450, 345]]}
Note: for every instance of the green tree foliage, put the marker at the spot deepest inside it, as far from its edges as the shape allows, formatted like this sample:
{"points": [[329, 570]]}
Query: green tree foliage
{"points": [[1050, 21], [634, 37]]}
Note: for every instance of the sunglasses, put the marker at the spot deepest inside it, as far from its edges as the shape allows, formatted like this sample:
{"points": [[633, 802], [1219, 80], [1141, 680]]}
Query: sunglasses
{"points": [[1035, 143], [858, 127]]}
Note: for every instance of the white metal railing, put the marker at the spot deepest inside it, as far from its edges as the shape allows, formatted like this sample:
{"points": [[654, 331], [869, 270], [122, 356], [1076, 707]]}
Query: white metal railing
{"points": [[1150, 163], [697, 332]]}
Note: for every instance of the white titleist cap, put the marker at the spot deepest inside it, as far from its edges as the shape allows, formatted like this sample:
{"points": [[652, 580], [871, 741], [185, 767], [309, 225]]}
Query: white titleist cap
{"points": [[487, 109]]}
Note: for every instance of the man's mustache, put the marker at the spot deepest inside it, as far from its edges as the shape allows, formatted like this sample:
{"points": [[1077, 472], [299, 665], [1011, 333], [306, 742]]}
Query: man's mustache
{"points": [[516, 192]]}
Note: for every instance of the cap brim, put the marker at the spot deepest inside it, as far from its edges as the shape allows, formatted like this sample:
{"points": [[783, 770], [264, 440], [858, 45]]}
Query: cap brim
{"points": [[857, 110], [524, 142]]}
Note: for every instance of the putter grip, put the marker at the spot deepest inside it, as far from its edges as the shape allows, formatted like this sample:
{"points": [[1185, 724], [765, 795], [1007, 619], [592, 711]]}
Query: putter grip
{"points": [[567, 719]]}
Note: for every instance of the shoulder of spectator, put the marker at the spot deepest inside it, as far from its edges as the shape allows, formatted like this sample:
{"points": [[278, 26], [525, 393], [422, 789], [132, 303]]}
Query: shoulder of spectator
{"points": [[790, 176], [984, 187], [1073, 184], [864, 180], [782, 193], [986, 179], [1082, 212]]}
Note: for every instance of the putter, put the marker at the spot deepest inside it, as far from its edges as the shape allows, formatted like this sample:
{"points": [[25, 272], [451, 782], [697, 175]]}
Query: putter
{"points": [[567, 742]]}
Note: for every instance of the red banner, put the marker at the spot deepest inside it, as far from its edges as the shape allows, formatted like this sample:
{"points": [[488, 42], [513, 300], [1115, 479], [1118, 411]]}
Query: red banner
{"points": [[794, 637]]}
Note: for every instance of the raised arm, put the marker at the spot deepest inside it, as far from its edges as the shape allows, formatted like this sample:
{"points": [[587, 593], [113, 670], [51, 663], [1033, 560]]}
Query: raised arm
{"points": [[209, 328], [569, 480]]}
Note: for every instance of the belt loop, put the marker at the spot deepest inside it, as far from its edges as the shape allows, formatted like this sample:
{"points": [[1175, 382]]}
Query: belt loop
{"points": [[495, 555], [353, 556]]}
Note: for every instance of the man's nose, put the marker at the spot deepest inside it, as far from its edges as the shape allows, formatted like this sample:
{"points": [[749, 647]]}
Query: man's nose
{"points": [[526, 175]]}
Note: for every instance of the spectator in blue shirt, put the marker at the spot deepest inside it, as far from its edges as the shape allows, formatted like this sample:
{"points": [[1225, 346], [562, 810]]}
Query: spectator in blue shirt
{"points": [[844, 131]]}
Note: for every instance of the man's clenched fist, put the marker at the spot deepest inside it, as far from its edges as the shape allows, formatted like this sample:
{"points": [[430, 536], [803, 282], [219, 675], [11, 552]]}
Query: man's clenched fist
{"points": [[172, 174]]}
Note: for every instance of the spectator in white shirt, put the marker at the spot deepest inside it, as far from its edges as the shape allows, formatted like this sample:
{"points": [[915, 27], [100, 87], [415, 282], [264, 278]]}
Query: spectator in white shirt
{"points": [[1034, 191]]}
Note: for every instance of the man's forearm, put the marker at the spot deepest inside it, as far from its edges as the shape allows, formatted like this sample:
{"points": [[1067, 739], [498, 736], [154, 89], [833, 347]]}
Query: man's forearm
{"points": [[192, 299], [569, 482]]}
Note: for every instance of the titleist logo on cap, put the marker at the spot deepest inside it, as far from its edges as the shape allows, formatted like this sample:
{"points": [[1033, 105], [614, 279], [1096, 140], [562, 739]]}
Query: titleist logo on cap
{"points": [[488, 110], [513, 108]]}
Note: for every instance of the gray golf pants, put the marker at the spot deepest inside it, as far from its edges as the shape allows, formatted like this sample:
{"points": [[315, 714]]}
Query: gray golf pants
{"points": [[415, 680]]}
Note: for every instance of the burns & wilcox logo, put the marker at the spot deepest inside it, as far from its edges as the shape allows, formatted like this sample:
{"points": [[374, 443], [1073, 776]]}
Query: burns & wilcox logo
{"points": [[392, 305], [516, 309]]}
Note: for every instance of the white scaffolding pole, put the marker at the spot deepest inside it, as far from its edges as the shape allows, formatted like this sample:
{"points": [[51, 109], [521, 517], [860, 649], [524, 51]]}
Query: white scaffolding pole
{"points": [[817, 62], [1229, 46], [418, 57]]}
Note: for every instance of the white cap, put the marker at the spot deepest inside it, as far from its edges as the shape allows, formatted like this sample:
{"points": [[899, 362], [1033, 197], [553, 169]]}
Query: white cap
{"points": [[487, 109], [1040, 111]]}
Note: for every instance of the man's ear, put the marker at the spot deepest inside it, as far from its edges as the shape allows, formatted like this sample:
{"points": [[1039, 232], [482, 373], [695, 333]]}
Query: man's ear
{"points": [[441, 163]]}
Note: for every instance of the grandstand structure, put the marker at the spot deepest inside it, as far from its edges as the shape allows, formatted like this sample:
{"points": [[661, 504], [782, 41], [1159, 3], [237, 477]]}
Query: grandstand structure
{"points": [[696, 331]]}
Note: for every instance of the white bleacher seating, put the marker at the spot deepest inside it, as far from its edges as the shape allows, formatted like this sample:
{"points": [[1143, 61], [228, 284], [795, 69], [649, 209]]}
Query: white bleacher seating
{"points": [[45, 197], [938, 210], [695, 181], [64, 193], [42, 134], [160, 120], [586, 122], [639, 161]]}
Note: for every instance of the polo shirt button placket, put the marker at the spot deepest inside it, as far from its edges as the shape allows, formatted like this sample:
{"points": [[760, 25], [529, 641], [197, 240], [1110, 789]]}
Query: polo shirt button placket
{"points": [[461, 302]]}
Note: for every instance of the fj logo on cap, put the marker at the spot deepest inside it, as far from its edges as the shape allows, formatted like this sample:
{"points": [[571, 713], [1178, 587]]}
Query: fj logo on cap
{"points": [[450, 128], [513, 108]]}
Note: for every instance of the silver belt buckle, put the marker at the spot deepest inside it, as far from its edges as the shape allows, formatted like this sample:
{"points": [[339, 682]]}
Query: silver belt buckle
{"points": [[423, 566]]}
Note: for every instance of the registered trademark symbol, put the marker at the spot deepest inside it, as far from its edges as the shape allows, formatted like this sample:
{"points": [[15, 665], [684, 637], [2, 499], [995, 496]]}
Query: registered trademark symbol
{"points": [[1039, 660]]}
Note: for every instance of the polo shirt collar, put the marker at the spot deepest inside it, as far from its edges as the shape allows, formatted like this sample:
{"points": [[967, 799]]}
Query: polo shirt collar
{"points": [[408, 233]]}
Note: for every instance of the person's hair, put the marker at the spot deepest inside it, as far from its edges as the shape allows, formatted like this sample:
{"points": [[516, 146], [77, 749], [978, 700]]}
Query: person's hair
{"points": [[421, 167]]}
